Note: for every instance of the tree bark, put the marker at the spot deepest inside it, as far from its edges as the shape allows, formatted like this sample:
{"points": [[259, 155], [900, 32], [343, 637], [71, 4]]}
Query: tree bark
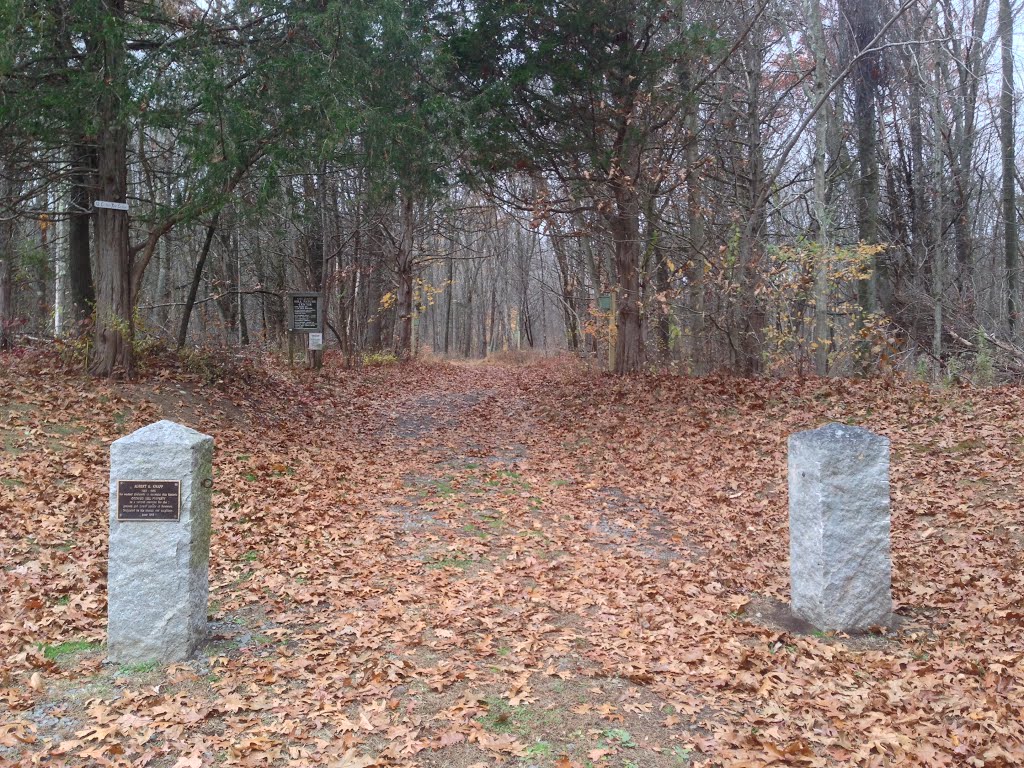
{"points": [[748, 313], [864, 23], [695, 250], [625, 227], [197, 276], [404, 270], [112, 351], [970, 66], [820, 229], [1007, 138], [917, 179], [938, 255], [450, 292], [6, 279], [572, 331], [80, 285]]}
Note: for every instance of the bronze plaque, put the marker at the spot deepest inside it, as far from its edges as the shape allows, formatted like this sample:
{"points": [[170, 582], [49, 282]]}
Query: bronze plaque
{"points": [[145, 500]]}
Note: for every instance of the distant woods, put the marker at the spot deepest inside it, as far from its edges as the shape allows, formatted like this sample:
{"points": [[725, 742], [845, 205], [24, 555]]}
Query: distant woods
{"points": [[793, 186]]}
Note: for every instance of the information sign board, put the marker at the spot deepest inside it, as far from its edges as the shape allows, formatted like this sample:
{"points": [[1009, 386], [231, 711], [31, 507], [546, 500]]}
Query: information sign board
{"points": [[305, 312]]}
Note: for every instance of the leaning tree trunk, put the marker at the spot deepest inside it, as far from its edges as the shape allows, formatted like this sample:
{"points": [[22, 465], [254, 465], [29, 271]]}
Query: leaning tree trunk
{"points": [[112, 353], [197, 276]]}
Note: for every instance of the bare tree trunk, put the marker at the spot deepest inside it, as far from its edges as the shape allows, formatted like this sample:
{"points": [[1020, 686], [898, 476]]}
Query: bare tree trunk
{"points": [[7, 229], [404, 270], [197, 276], [863, 18], [1008, 140], [694, 226], [749, 314], [969, 63], [918, 198], [492, 344], [112, 351], [938, 254], [374, 260], [450, 291], [83, 293], [6, 287], [820, 228], [572, 331], [467, 351], [625, 227]]}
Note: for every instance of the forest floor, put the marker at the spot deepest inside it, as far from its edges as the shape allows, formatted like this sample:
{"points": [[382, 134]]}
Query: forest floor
{"points": [[472, 565]]}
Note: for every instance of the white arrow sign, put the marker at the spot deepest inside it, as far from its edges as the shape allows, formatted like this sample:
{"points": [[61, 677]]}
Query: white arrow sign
{"points": [[112, 206]]}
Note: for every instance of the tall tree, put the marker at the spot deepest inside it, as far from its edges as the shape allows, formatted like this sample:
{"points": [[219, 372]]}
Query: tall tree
{"points": [[583, 92], [7, 231], [112, 350], [820, 224], [1008, 140], [863, 19]]}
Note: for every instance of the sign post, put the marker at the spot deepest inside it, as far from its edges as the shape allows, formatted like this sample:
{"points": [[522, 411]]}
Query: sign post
{"points": [[110, 205], [306, 315], [305, 312]]}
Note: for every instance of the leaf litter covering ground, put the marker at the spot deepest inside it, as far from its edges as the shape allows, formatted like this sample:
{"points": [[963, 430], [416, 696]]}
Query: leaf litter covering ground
{"points": [[536, 566]]}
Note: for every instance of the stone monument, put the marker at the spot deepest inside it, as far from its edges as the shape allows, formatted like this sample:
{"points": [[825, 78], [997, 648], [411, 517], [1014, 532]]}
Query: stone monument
{"points": [[158, 574], [839, 519]]}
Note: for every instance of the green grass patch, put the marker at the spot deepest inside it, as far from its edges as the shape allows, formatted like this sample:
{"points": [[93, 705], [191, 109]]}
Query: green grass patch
{"points": [[971, 445], [451, 561], [681, 756], [250, 556], [522, 721], [502, 718], [71, 647], [10, 448], [64, 429], [618, 737], [473, 530], [443, 487], [137, 669], [541, 749]]}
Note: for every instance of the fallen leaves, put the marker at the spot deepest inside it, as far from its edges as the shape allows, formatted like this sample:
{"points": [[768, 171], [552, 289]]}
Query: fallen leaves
{"points": [[399, 552]]}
